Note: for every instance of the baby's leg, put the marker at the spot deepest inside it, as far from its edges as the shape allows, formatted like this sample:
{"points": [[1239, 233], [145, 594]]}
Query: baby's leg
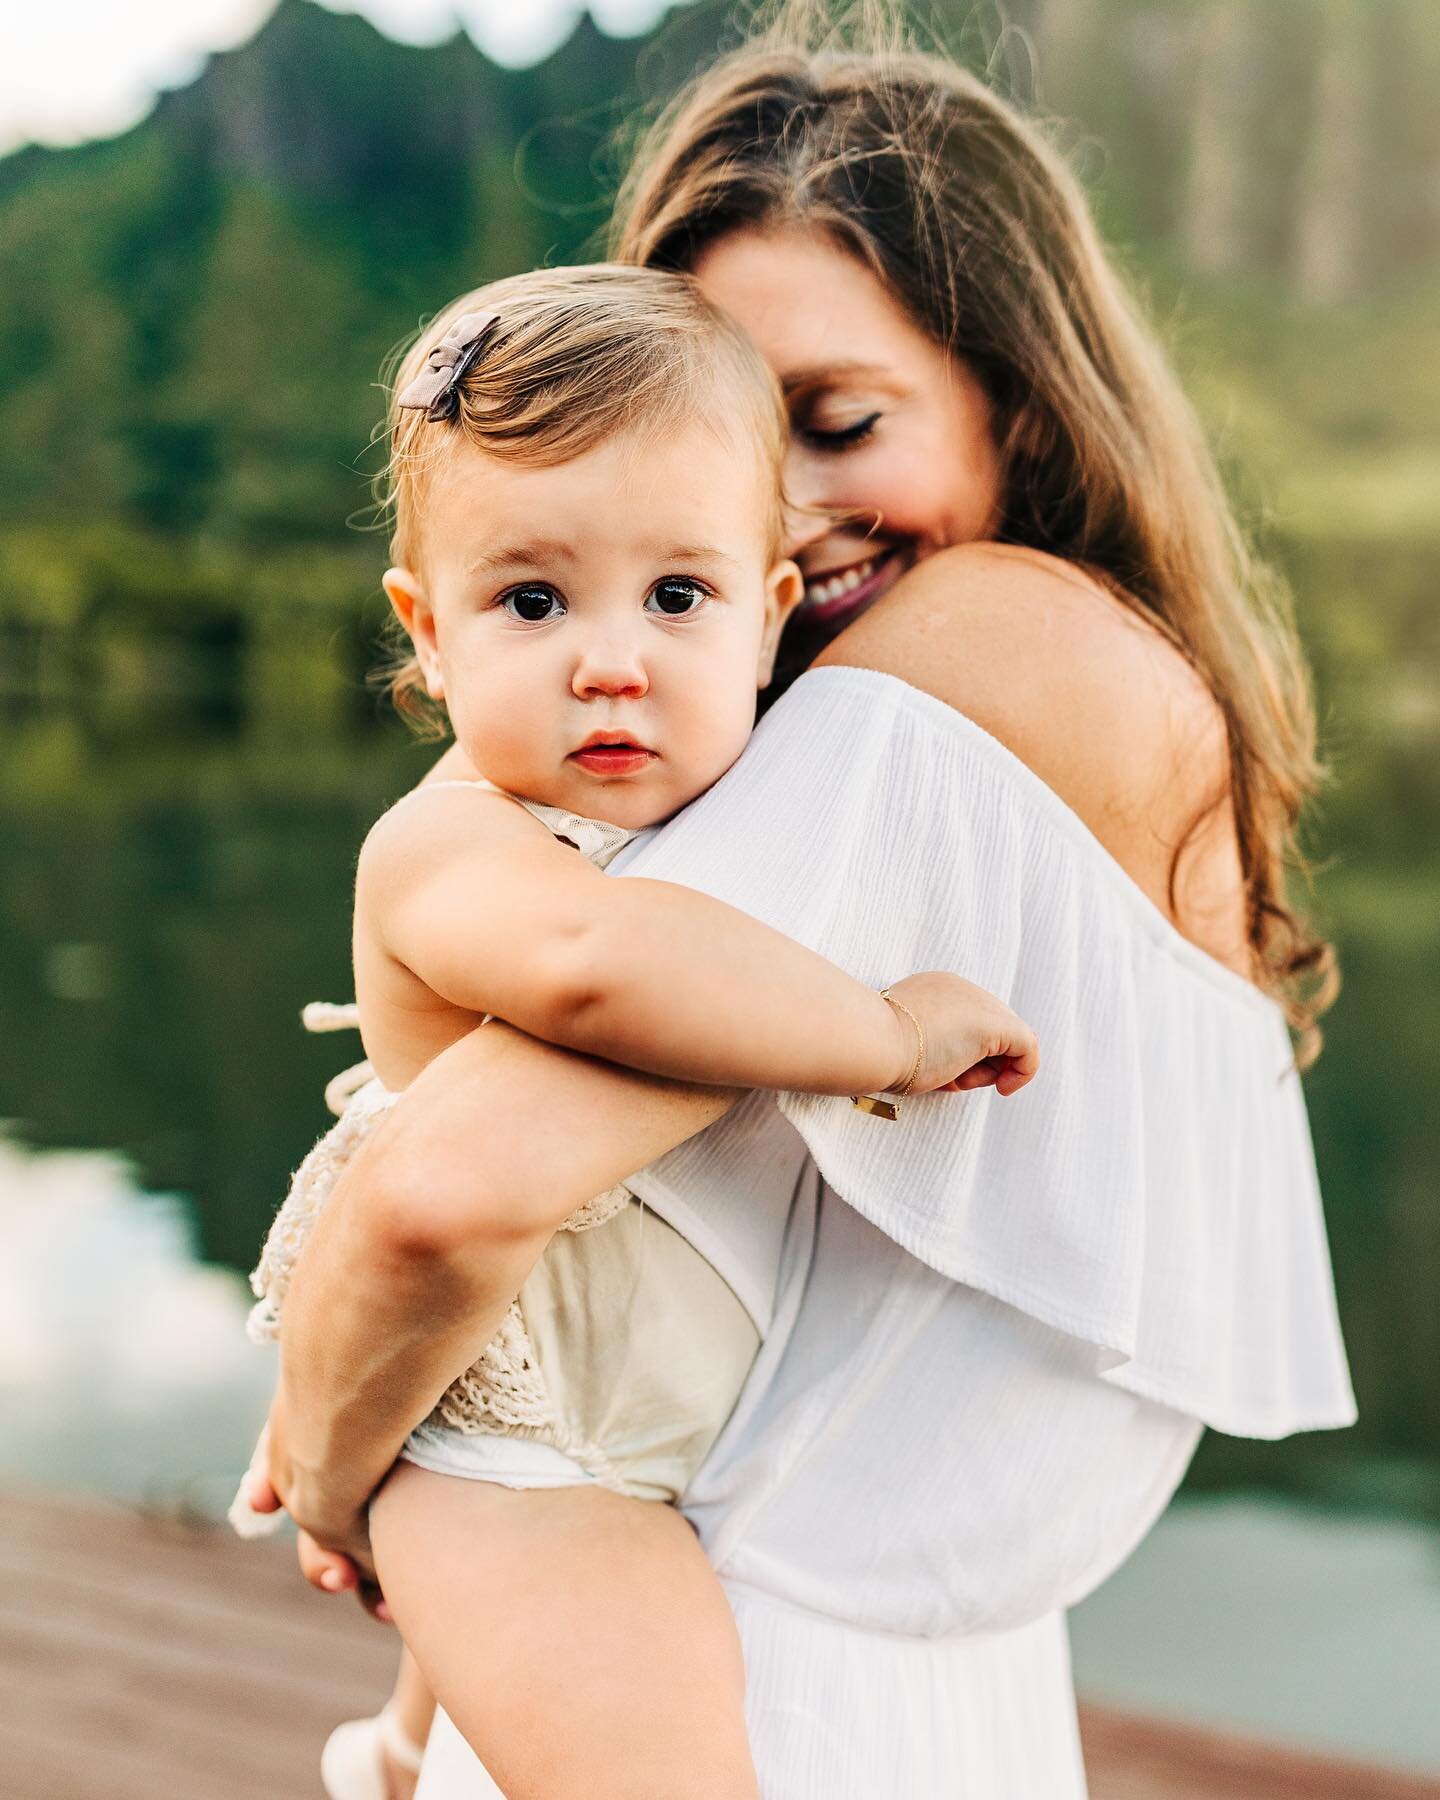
{"points": [[579, 1640], [411, 1702]]}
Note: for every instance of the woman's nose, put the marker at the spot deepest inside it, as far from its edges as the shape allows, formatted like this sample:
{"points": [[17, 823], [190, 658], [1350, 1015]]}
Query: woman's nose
{"points": [[610, 667]]}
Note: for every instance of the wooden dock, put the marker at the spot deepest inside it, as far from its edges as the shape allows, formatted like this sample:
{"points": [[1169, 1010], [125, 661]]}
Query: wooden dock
{"points": [[144, 1655]]}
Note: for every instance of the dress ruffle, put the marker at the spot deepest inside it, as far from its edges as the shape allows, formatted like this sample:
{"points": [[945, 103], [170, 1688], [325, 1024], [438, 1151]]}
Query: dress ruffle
{"points": [[1153, 1192]]}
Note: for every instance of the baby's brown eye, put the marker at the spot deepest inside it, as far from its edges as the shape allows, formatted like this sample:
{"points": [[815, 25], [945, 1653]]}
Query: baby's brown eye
{"points": [[533, 604], [676, 598]]}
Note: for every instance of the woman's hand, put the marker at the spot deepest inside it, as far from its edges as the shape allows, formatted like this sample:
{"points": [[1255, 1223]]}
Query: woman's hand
{"points": [[333, 1548], [972, 1040]]}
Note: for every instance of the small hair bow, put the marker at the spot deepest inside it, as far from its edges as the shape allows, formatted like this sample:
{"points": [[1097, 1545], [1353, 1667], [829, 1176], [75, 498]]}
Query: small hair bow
{"points": [[436, 387]]}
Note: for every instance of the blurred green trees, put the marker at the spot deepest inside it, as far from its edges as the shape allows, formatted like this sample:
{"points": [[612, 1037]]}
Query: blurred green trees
{"points": [[193, 318]]}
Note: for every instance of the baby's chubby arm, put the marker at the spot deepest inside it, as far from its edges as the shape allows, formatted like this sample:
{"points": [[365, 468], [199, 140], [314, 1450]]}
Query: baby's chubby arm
{"points": [[475, 898]]}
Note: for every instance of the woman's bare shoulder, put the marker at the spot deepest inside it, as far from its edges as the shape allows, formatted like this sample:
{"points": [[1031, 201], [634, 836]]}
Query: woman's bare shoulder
{"points": [[1082, 689]]}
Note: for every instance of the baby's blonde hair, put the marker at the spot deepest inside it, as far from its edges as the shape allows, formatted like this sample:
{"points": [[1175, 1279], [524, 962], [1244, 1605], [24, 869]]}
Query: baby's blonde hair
{"points": [[578, 355]]}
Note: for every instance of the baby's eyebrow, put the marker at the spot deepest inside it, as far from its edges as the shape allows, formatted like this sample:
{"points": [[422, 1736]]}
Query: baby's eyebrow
{"points": [[540, 553], [534, 552], [693, 553]]}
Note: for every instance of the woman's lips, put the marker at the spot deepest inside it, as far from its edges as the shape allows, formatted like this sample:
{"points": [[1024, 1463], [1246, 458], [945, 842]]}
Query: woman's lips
{"points": [[840, 592], [612, 759]]}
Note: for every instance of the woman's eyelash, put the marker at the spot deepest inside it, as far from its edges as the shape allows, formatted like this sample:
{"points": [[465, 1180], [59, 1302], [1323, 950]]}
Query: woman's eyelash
{"points": [[844, 437]]}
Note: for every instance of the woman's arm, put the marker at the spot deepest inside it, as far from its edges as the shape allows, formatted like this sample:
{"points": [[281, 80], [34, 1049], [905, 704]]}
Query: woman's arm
{"points": [[429, 1235]]}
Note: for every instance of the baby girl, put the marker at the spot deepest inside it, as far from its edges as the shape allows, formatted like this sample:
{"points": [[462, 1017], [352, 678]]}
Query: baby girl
{"points": [[586, 482]]}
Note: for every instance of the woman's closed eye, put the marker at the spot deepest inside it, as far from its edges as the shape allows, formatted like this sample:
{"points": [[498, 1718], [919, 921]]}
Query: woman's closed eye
{"points": [[676, 597], [533, 603], [836, 437]]}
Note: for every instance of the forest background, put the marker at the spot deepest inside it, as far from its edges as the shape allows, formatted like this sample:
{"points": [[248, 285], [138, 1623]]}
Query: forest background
{"points": [[193, 316]]}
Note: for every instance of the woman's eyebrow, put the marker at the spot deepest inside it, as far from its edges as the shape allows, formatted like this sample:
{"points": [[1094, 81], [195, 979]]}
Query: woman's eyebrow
{"points": [[815, 374]]}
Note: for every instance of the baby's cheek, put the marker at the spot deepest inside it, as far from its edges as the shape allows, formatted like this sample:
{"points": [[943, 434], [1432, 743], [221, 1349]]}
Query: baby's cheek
{"points": [[713, 734], [733, 729], [507, 757]]}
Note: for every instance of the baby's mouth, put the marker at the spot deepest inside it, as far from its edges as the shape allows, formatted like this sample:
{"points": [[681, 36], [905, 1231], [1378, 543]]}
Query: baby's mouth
{"points": [[610, 754], [840, 593]]}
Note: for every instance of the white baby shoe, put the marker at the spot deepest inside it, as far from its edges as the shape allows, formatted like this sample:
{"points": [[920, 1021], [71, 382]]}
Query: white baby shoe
{"points": [[352, 1765]]}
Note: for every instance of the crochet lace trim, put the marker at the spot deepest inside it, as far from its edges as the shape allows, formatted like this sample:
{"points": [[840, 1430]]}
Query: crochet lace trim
{"points": [[504, 1390]]}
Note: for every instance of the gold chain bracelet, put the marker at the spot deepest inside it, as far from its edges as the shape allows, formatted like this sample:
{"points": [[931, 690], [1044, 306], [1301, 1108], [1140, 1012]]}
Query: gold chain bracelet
{"points": [[876, 1105]]}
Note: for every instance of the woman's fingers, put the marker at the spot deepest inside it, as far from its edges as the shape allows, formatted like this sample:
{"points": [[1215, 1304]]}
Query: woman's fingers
{"points": [[261, 1493], [374, 1603], [325, 1569], [333, 1573]]}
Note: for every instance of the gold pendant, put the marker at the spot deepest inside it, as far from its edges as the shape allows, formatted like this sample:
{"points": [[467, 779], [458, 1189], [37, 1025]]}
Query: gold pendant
{"points": [[875, 1105]]}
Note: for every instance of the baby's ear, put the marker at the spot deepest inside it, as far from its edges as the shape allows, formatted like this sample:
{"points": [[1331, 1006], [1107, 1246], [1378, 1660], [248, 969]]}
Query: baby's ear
{"points": [[404, 592], [784, 590]]}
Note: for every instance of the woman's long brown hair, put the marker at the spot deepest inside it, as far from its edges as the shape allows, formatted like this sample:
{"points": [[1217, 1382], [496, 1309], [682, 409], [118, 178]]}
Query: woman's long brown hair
{"points": [[975, 222]]}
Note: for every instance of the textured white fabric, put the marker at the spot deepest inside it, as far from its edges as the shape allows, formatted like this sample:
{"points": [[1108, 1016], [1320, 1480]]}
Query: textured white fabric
{"points": [[728, 1191], [513, 1462], [856, 1715], [983, 1377], [914, 1457], [1153, 1191]]}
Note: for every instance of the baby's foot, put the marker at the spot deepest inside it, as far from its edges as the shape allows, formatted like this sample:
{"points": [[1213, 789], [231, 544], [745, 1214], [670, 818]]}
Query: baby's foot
{"points": [[370, 1759], [401, 1778]]}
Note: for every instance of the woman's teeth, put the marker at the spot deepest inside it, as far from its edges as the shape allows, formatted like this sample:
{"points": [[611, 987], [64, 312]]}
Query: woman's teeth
{"points": [[835, 585]]}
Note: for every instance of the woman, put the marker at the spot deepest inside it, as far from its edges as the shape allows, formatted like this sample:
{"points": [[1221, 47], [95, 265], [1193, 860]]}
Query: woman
{"points": [[1052, 739]]}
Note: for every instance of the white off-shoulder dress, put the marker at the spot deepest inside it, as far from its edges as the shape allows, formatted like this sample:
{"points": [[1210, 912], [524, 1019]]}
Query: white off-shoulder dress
{"points": [[992, 1329]]}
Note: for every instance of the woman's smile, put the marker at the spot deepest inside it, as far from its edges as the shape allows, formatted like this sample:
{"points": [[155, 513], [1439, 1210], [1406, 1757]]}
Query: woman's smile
{"points": [[841, 591]]}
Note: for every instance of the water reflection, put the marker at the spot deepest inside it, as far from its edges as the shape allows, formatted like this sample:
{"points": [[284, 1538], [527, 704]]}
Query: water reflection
{"points": [[170, 901], [1279, 1622], [124, 1367]]}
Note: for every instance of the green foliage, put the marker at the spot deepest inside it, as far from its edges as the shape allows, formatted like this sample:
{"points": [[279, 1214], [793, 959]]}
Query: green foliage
{"points": [[193, 318]]}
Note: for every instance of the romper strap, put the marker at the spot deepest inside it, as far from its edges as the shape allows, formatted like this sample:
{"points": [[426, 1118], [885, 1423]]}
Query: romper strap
{"points": [[597, 840], [324, 1015]]}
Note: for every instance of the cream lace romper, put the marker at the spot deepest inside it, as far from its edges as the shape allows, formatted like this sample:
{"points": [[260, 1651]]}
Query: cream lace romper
{"points": [[622, 1356]]}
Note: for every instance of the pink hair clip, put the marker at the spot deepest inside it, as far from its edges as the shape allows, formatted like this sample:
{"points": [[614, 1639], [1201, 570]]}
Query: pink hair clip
{"points": [[436, 388]]}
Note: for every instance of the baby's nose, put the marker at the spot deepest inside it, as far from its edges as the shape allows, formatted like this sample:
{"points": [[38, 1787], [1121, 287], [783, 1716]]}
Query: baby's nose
{"points": [[610, 668]]}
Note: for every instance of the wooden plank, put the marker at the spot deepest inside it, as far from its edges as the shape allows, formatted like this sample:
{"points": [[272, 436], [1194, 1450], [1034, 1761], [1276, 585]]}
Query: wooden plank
{"points": [[33, 1770], [143, 1652], [1142, 1759], [165, 1626], [117, 1663]]}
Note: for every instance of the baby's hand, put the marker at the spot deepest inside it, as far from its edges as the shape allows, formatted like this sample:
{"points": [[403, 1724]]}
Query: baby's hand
{"points": [[972, 1040]]}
